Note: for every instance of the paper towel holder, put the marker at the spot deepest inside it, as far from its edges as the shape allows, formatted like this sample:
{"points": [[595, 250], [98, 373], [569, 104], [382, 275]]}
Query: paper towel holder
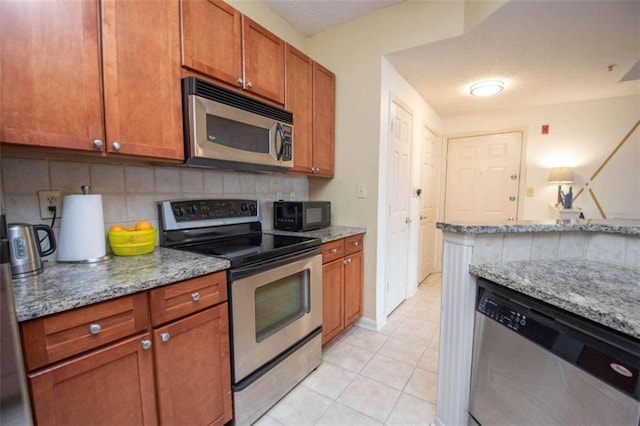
{"points": [[71, 236]]}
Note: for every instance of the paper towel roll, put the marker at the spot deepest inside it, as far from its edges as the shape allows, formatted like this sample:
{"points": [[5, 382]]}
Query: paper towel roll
{"points": [[82, 236]]}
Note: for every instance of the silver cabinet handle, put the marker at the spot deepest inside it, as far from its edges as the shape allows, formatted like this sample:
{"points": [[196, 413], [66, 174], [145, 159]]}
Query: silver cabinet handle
{"points": [[514, 177], [165, 337], [97, 143], [195, 296], [146, 344], [116, 146], [249, 85], [349, 260], [356, 243], [512, 198], [240, 81], [344, 261], [94, 328], [512, 218], [334, 250]]}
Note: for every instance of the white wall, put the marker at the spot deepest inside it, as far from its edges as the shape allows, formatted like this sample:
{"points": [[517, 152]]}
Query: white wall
{"points": [[395, 87], [581, 135], [354, 51]]}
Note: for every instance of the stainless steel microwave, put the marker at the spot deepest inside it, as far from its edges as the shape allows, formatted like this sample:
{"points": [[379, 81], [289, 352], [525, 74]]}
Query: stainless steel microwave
{"points": [[225, 129], [301, 215]]}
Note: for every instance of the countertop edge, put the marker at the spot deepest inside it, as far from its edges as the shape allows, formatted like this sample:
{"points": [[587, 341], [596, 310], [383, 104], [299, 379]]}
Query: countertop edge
{"points": [[326, 235], [623, 227]]}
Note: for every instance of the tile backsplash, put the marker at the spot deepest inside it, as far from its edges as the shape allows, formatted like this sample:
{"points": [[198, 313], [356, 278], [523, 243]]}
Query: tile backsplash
{"points": [[129, 193]]}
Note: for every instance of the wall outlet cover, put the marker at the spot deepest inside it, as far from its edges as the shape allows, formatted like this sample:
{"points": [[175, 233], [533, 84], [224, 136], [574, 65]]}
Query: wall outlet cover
{"points": [[48, 199]]}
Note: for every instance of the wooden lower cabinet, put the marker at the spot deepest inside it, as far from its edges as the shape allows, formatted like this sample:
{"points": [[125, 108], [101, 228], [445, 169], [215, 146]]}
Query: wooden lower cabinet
{"points": [[193, 369], [174, 372], [342, 281], [110, 386]]}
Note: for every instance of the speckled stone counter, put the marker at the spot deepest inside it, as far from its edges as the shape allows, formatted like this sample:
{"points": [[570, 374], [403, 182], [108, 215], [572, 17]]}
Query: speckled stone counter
{"points": [[623, 227], [64, 286], [329, 234], [605, 293]]}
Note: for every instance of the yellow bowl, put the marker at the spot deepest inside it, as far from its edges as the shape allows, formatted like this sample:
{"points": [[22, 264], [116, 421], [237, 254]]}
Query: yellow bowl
{"points": [[132, 243]]}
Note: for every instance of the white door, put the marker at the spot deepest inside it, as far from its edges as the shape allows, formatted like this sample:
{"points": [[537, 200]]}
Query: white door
{"points": [[398, 178], [483, 175], [428, 185]]}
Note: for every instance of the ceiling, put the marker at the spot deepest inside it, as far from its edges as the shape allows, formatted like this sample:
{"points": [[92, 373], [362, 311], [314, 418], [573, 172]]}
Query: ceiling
{"points": [[547, 52]]}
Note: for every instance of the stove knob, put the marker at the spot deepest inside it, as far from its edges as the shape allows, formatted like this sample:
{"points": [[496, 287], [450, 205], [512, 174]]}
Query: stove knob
{"points": [[191, 209], [244, 207], [252, 208], [178, 211]]}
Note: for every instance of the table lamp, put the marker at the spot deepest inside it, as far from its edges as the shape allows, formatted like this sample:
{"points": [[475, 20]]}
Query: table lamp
{"points": [[560, 175]]}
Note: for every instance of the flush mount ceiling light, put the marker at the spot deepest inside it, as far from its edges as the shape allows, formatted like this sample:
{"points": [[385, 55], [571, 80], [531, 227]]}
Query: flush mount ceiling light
{"points": [[486, 88]]}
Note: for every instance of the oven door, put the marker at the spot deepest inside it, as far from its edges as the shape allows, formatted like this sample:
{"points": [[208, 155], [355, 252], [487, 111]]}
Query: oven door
{"points": [[273, 307]]}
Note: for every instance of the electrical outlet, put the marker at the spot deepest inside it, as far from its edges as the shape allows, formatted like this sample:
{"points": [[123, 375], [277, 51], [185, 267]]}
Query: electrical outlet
{"points": [[279, 196], [531, 191], [292, 196], [362, 190], [48, 199]]}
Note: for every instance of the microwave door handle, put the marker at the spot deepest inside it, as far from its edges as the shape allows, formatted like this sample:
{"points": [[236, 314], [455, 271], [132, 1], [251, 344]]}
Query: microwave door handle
{"points": [[282, 137]]}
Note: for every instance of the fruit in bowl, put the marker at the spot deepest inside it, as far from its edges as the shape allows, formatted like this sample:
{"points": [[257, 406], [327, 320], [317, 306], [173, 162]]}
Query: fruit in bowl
{"points": [[132, 240]]}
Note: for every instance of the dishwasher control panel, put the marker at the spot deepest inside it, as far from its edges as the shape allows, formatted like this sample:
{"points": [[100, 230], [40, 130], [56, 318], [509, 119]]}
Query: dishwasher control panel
{"points": [[503, 314]]}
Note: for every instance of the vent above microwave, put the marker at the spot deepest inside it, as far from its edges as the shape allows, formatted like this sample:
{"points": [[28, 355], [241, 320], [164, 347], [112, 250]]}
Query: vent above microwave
{"points": [[198, 87]]}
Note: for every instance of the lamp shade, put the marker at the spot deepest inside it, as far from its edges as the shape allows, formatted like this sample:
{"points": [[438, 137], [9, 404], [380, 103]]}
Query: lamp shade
{"points": [[560, 175]]}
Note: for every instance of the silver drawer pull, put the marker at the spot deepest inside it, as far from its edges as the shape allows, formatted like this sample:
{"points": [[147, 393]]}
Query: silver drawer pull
{"points": [[334, 250], [356, 243], [95, 328], [165, 337], [195, 296], [146, 344]]}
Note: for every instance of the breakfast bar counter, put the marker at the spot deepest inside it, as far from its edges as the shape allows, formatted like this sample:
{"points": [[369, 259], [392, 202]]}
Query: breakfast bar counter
{"points": [[590, 268]]}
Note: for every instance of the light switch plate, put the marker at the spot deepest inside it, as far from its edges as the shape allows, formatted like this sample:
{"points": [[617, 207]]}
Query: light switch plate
{"points": [[362, 190]]}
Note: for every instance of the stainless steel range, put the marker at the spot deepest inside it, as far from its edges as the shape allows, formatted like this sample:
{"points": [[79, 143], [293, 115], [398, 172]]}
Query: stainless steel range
{"points": [[275, 295]]}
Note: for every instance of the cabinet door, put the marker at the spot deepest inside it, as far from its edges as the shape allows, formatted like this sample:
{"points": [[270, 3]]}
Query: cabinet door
{"points": [[141, 60], [110, 386], [50, 78], [263, 61], [299, 102], [193, 369], [212, 39], [332, 300], [324, 88], [353, 273]]}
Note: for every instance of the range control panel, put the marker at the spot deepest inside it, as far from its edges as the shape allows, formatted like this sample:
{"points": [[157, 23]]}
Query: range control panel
{"points": [[196, 210], [503, 314], [204, 213]]}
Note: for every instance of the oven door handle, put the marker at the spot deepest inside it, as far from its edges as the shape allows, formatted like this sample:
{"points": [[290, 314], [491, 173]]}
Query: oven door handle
{"points": [[245, 271]]}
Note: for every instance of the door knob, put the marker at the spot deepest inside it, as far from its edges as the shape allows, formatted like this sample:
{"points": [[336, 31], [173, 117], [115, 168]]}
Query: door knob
{"points": [[514, 177], [512, 198], [418, 192], [407, 220]]}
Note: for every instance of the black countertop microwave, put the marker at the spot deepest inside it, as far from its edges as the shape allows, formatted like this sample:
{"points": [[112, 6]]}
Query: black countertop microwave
{"points": [[301, 215]]}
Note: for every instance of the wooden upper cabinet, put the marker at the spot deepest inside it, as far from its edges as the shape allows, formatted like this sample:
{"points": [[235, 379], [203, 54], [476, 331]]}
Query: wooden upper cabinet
{"points": [[263, 61], [221, 43], [324, 94], [50, 74], [141, 60], [212, 39], [299, 100]]}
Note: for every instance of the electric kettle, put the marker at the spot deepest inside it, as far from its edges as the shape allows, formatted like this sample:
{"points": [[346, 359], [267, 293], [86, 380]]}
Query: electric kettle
{"points": [[26, 248]]}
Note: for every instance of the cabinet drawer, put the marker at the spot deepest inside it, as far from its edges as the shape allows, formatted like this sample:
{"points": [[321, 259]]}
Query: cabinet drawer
{"points": [[177, 300], [353, 244], [60, 336], [332, 251]]}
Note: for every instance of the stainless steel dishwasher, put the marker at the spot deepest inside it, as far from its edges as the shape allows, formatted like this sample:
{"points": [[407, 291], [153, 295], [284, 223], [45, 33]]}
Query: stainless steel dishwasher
{"points": [[534, 364]]}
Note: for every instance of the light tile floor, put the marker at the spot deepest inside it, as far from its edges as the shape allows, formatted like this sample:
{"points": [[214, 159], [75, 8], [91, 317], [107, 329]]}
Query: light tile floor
{"points": [[373, 378]]}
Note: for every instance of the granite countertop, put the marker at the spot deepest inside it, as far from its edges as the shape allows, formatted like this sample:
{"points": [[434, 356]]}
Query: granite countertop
{"points": [[605, 293], [612, 226], [64, 286], [329, 234]]}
